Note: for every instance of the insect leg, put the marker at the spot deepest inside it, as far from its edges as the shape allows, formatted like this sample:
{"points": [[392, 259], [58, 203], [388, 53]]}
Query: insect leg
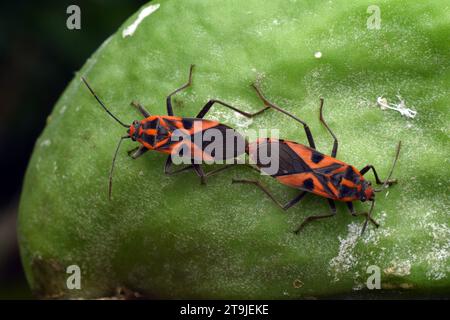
{"points": [[169, 164], [323, 216], [335, 144], [274, 106], [211, 102], [199, 171], [215, 171], [364, 170], [169, 97], [365, 214], [295, 200], [132, 150], [270, 195], [140, 108], [137, 153]]}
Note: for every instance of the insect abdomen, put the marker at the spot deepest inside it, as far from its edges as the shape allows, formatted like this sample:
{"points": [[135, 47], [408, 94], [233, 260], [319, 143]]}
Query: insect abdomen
{"points": [[306, 169]]}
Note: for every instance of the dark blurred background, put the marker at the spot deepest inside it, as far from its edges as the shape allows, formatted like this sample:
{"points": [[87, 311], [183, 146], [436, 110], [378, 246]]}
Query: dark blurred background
{"points": [[38, 58]]}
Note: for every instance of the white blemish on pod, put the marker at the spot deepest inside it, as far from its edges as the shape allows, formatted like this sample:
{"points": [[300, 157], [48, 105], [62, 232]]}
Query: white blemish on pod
{"points": [[400, 107], [399, 268], [129, 31], [346, 259], [46, 143], [439, 253]]}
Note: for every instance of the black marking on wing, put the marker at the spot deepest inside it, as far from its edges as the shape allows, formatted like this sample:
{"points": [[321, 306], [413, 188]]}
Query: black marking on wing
{"points": [[187, 123], [162, 133], [323, 179], [148, 138], [289, 161], [151, 124], [171, 124], [308, 184], [336, 179], [345, 191], [236, 142], [351, 175], [316, 157]]}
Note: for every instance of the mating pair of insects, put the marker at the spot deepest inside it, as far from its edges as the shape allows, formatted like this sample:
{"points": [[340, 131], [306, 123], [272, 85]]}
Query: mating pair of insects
{"points": [[300, 167]]}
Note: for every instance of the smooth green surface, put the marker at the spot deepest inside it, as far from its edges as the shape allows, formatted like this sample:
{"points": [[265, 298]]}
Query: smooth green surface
{"points": [[168, 236]]}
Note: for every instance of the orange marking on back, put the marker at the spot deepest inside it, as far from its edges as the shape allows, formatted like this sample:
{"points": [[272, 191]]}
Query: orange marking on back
{"points": [[150, 132], [333, 189], [205, 125], [297, 180], [348, 183], [145, 144], [163, 123], [148, 119], [340, 169], [162, 142]]}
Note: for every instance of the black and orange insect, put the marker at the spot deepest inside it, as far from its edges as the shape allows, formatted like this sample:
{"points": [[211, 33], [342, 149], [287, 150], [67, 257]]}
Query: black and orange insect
{"points": [[304, 168], [155, 132]]}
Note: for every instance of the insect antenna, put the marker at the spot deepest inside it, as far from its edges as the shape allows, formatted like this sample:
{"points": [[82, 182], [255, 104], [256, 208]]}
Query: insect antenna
{"points": [[386, 182], [112, 165], [102, 104]]}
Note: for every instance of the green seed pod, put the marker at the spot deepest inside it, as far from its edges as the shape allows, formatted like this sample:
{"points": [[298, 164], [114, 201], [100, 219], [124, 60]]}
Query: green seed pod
{"points": [[170, 237]]}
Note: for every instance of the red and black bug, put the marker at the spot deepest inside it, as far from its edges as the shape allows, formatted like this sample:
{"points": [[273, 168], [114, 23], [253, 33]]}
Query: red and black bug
{"points": [[155, 132], [304, 168]]}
